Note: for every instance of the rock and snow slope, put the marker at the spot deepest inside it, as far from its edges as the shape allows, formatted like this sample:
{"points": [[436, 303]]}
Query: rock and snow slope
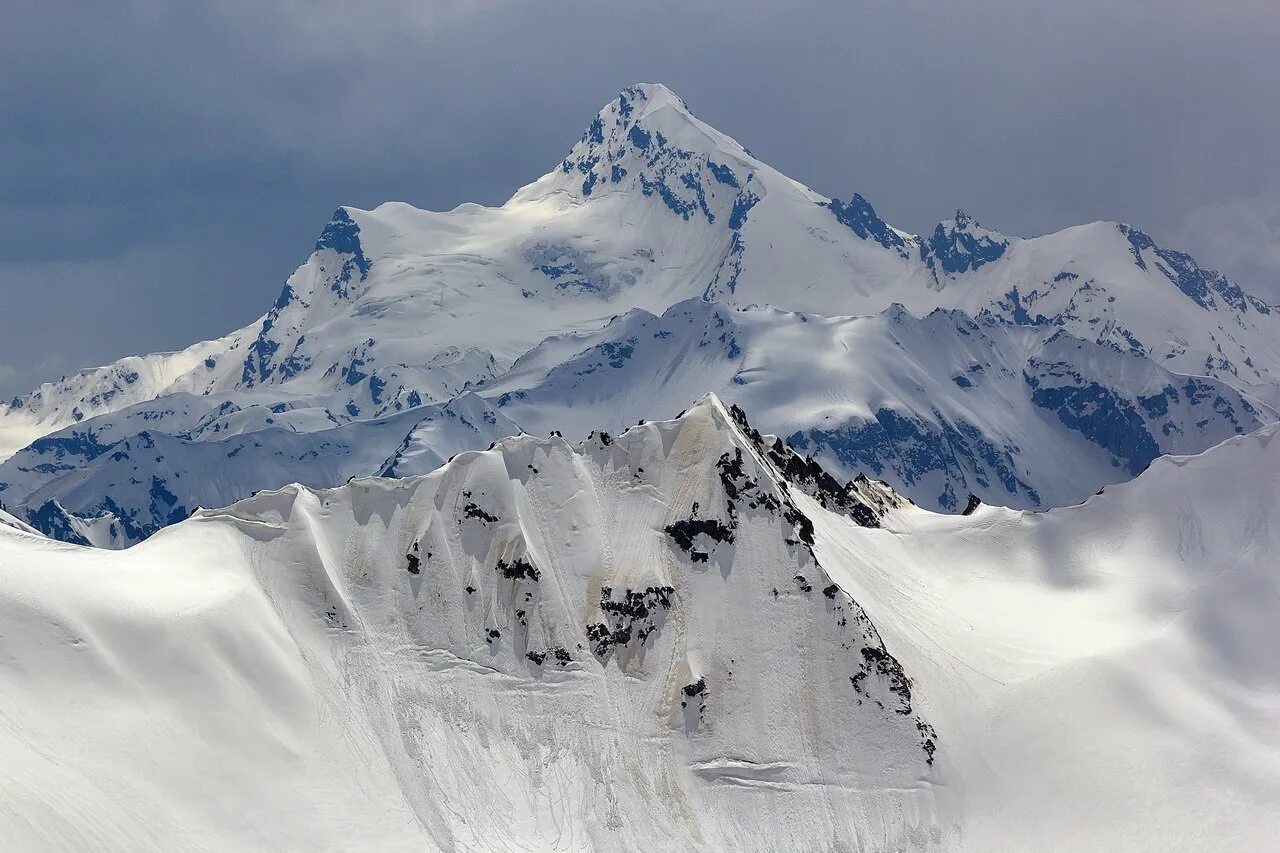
{"points": [[398, 310], [661, 641]]}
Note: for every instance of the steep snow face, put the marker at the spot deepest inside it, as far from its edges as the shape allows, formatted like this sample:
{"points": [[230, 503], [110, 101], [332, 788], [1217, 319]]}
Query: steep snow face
{"points": [[538, 637], [659, 640]]}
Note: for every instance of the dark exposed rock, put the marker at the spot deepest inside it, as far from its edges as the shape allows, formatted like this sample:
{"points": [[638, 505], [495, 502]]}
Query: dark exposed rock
{"points": [[637, 613], [473, 510], [928, 740], [601, 638], [730, 466], [857, 500], [696, 693], [684, 532], [803, 524], [878, 660], [560, 655], [517, 569]]}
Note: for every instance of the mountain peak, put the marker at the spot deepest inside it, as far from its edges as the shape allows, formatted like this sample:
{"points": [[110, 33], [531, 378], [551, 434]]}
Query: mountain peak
{"points": [[652, 96], [646, 141], [641, 101], [861, 218], [639, 114], [961, 244], [1205, 287], [342, 235], [962, 220]]}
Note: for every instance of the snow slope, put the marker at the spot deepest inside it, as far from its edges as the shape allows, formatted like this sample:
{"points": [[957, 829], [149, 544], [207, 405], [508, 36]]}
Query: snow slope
{"points": [[1107, 670], [399, 309], [112, 488], [631, 644]]}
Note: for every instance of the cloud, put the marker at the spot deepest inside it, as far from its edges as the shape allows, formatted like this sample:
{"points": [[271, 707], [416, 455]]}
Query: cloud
{"points": [[186, 155], [1241, 236], [62, 315], [15, 379]]}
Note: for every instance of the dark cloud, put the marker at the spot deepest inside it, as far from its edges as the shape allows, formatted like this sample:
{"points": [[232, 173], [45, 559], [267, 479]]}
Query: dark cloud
{"points": [[167, 165]]}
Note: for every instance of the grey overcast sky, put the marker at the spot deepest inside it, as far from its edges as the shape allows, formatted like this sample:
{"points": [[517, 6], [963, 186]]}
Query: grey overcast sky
{"points": [[164, 166]]}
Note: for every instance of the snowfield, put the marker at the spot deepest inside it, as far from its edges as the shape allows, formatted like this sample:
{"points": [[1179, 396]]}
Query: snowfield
{"points": [[658, 640]]}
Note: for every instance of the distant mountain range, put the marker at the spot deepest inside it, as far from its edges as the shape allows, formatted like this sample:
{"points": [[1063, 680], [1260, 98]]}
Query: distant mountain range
{"points": [[658, 261]]}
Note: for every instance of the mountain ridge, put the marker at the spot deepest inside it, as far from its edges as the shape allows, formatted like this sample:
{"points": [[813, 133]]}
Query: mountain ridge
{"points": [[399, 309], [678, 637]]}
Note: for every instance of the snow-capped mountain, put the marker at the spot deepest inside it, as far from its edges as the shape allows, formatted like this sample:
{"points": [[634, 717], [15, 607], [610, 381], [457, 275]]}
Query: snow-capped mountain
{"points": [[683, 637], [111, 487], [941, 407], [399, 310]]}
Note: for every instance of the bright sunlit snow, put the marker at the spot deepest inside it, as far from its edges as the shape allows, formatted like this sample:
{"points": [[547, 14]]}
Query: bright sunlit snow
{"points": [[522, 651]]}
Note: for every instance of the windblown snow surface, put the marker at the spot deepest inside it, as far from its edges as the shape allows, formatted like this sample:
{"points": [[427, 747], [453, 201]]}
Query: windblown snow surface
{"points": [[684, 637]]}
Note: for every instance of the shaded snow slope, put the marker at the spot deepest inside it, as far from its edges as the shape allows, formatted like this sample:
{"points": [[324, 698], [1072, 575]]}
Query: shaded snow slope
{"points": [[101, 390], [112, 488], [941, 407], [631, 643]]}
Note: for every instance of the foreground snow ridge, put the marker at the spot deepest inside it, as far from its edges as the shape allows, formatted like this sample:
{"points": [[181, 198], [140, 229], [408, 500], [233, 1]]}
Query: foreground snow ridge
{"points": [[683, 637]]}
